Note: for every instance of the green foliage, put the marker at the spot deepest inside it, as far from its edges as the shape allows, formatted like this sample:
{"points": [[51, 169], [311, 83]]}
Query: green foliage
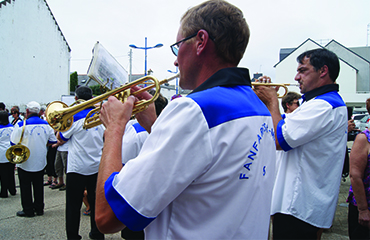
{"points": [[73, 81], [96, 90]]}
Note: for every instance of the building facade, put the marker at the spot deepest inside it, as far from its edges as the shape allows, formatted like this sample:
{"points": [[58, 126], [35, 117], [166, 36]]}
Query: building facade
{"points": [[35, 56]]}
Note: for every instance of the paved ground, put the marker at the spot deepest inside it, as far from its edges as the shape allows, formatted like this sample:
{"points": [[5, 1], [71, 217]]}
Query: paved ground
{"points": [[52, 224]]}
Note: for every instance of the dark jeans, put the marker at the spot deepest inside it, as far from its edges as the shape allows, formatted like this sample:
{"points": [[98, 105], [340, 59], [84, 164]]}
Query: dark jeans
{"points": [[289, 227], [7, 179], [50, 157], [76, 184], [356, 230], [29, 181]]}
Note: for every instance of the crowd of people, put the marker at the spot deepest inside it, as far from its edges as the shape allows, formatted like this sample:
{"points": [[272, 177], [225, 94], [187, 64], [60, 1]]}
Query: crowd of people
{"points": [[221, 163]]}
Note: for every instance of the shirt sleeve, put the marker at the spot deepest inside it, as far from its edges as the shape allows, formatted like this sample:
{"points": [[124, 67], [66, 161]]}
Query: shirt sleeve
{"points": [[169, 162], [305, 124]]}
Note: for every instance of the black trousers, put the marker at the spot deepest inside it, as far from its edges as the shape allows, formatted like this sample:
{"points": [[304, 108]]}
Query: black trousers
{"points": [[50, 160], [356, 230], [76, 184], [29, 181], [7, 179], [289, 227]]}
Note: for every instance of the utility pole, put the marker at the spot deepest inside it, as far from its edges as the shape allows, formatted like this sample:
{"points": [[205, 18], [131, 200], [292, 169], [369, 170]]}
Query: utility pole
{"points": [[130, 57], [367, 34]]}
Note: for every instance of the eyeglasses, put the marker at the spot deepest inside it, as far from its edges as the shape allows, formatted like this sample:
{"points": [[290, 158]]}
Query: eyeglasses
{"points": [[175, 47]]}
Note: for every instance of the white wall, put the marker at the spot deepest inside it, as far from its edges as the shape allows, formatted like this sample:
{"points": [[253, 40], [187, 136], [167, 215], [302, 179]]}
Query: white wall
{"points": [[34, 62]]}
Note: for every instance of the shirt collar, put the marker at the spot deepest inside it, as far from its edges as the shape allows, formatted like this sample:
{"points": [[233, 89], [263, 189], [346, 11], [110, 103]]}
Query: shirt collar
{"points": [[319, 91], [226, 77]]}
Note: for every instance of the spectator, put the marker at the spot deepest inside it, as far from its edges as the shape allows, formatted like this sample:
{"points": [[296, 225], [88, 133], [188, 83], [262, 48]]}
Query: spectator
{"points": [[359, 192]]}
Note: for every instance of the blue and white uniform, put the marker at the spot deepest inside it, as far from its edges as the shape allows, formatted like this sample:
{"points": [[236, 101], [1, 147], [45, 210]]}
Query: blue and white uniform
{"points": [[84, 152], [5, 133], [308, 178], [84, 146], [37, 135], [133, 140], [206, 170]]}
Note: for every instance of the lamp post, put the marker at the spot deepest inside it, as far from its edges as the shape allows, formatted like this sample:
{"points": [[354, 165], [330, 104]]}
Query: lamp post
{"points": [[177, 79], [146, 48]]}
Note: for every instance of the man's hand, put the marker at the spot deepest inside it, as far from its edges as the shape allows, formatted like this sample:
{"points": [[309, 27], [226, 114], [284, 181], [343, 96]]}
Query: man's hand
{"points": [[265, 93], [115, 114], [352, 126]]}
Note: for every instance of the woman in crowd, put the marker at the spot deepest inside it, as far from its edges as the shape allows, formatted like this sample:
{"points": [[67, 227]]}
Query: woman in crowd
{"points": [[15, 114], [359, 192]]}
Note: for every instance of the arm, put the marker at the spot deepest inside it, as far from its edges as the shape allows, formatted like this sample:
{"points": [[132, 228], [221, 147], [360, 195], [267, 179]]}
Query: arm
{"points": [[147, 117], [114, 116], [358, 162], [269, 98]]}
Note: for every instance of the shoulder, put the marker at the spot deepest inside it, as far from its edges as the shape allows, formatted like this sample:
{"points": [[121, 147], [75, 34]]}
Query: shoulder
{"points": [[333, 98]]}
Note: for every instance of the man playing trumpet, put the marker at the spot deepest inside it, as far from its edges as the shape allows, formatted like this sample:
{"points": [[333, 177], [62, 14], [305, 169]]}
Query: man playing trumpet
{"points": [[209, 160], [314, 137]]}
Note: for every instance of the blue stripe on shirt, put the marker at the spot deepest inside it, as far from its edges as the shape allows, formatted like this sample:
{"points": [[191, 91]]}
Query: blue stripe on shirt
{"points": [[223, 104], [123, 211], [279, 135], [138, 128], [333, 98]]}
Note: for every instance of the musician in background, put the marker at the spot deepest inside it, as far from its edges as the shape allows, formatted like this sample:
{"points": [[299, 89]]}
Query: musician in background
{"points": [[132, 142], [37, 136], [208, 164], [314, 137], [84, 152], [6, 168]]}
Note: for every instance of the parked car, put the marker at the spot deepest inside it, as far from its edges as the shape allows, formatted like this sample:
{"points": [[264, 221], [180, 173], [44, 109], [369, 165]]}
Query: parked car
{"points": [[358, 117], [363, 123]]}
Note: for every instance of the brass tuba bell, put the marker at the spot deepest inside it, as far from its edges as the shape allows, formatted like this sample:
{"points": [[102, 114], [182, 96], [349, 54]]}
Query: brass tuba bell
{"points": [[18, 153]]}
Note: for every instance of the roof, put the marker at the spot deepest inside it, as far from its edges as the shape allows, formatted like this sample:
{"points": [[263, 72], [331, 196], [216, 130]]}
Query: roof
{"points": [[320, 47], [4, 2]]}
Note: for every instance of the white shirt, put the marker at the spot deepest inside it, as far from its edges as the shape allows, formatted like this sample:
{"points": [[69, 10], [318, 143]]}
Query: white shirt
{"points": [[205, 171], [308, 178], [85, 146], [64, 147], [37, 135], [132, 141], [5, 132]]}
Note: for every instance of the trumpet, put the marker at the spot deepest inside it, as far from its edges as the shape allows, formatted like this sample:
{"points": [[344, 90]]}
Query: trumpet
{"points": [[60, 116], [18, 153], [283, 85]]}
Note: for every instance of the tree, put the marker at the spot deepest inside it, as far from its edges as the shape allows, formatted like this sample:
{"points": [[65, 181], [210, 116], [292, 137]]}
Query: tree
{"points": [[73, 81]]}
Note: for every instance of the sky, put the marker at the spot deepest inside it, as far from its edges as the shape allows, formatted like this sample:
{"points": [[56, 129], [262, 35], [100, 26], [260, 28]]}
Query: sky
{"points": [[274, 24]]}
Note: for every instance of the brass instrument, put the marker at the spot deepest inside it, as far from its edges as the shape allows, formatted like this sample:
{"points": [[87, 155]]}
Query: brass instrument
{"points": [[283, 85], [60, 116], [18, 153]]}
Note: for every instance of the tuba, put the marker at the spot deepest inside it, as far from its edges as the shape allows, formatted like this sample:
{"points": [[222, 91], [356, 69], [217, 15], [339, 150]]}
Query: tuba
{"points": [[18, 153]]}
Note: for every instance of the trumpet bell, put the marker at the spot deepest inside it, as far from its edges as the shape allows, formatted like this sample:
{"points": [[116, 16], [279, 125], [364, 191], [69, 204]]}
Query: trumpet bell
{"points": [[17, 154], [55, 116]]}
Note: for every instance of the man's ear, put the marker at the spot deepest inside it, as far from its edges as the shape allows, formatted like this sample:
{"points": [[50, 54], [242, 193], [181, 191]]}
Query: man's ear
{"points": [[324, 71], [202, 39]]}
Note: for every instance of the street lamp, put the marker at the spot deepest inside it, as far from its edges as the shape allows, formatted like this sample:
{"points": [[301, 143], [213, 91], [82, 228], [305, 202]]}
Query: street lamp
{"points": [[177, 80], [146, 48]]}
